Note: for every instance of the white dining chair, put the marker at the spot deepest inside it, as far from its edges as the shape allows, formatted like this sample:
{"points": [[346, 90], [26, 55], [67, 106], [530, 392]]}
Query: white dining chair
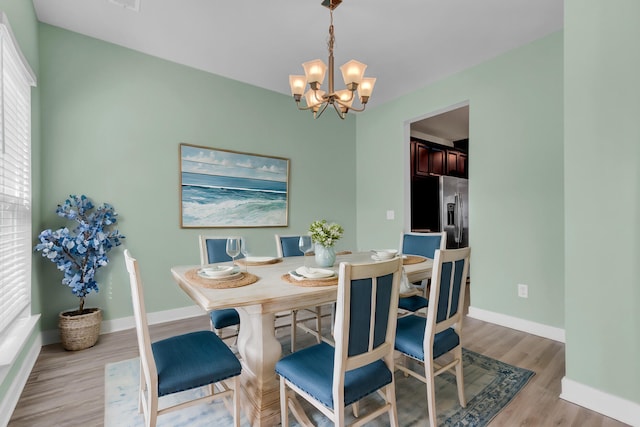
{"points": [[427, 340], [182, 362], [362, 361]]}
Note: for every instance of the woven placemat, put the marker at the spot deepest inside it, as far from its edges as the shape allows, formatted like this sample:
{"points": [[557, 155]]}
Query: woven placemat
{"points": [[309, 283], [243, 261], [242, 279], [413, 259]]}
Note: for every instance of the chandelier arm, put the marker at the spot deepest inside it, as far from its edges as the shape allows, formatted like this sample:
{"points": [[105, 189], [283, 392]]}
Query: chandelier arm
{"points": [[350, 107], [340, 113], [358, 110], [324, 107], [305, 108]]}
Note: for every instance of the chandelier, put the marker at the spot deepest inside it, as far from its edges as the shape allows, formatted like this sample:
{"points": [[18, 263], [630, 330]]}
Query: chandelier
{"points": [[316, 99]]}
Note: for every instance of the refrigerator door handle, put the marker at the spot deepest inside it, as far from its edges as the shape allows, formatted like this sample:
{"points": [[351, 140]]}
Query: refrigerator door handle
{"points": [[460, 220], [457, 229]]}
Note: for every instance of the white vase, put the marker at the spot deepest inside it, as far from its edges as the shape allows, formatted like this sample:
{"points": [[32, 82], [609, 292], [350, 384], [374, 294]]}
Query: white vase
{"points": [[325, 257]]}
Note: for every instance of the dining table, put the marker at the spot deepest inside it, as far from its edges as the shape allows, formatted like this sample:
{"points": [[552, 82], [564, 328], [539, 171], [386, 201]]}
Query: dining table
{"points": [[272, 290]]}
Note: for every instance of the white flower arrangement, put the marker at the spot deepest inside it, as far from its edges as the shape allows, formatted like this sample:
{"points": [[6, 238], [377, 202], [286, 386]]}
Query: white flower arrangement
{"points": [[324, 233]]}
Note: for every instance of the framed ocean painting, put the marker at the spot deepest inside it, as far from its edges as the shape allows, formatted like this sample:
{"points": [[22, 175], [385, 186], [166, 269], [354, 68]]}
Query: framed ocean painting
{"points": [[222, 188]]}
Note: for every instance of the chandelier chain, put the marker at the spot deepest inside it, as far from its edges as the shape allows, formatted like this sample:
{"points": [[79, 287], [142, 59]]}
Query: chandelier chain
{"points": [[332, 37]]}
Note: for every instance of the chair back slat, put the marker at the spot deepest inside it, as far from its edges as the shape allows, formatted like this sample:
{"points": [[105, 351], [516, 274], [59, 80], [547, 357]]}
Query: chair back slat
{"points": [[450, 270], [423, 244], [450, 288], [369, 307]]}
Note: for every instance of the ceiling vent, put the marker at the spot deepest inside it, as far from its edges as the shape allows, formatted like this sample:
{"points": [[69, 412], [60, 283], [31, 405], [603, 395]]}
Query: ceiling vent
{"points": [[127, 4]]}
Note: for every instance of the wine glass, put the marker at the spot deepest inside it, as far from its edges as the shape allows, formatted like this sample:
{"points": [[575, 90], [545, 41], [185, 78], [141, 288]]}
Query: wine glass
{"points": [[305, 246], [233, 248], [244, 249]]}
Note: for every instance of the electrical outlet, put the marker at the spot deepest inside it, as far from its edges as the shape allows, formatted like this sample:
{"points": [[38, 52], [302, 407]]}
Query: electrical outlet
{"points": [[523, 291], [391, 214]]}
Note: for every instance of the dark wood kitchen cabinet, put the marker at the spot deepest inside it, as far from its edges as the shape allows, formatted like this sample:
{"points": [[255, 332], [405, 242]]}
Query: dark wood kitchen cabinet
{"points": [[429, 159], [457, 163]]}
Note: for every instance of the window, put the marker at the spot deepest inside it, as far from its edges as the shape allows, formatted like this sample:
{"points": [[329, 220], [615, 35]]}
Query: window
{"points": [[16, 79]]}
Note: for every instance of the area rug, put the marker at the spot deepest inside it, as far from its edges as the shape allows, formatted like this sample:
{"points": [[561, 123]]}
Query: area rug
{"points": [[489, 386]]}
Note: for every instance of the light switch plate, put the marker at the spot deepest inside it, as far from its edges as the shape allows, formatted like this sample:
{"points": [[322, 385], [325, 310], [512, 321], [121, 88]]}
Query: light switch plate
{"points": [[523, 291]]}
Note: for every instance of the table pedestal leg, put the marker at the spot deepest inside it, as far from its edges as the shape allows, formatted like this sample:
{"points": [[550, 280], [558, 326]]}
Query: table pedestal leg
{"points": [[259, 350]]}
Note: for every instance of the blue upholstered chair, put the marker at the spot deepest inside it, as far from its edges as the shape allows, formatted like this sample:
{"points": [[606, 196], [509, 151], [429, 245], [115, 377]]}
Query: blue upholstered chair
{"points": [[214, 249], [361, 363], [287, 246], [427, 339], [423, 244], [179, 363]]}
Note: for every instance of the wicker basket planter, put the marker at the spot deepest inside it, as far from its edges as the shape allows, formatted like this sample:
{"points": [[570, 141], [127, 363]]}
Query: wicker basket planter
{"points": [[79, 331]]}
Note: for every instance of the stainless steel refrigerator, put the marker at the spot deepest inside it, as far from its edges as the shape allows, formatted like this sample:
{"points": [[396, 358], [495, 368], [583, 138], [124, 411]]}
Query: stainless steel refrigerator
{"points": [[441, 203], [454, 210]]}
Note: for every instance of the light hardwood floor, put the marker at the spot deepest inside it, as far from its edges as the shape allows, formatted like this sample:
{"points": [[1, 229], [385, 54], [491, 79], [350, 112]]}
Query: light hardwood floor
{"points": [[66, 389]]}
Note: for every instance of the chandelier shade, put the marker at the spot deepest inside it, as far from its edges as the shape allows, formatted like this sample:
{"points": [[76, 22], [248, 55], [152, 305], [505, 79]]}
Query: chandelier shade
{"points": [[315, 71], [353, 72], [297, 83], [316, 99]]}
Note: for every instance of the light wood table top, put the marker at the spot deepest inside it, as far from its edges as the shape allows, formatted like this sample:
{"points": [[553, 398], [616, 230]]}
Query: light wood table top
{"points": [[275, 294]]}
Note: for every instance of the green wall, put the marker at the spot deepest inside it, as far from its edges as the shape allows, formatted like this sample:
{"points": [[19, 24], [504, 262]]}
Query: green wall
{"points": [[515, 176], [602, 181], [112, 122]]}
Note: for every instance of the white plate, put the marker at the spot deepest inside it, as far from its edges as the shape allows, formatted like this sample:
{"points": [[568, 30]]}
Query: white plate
{"points": [[297, 276], [218, 271], [259, 258], [315, 273], [377, 258]]}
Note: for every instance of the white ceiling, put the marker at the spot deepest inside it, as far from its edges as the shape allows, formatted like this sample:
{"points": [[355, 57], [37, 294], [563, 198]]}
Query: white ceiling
{"points": [[407, 44], [452, 125]]}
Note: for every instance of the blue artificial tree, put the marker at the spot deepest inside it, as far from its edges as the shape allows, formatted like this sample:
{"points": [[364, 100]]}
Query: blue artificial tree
{"points": [[81, 251]]}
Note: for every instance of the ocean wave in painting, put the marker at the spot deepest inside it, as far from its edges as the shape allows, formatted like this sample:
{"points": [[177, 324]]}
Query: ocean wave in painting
{"points": [[232, 182], [204, 205]]}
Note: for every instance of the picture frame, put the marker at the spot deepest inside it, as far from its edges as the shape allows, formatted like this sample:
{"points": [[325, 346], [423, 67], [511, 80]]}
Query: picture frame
{"points": [[228, 189]]}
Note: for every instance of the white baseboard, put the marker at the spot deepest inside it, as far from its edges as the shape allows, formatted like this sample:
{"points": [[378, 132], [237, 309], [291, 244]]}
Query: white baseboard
{"points": [[154, 318], [124, 323], [10, 400], [612, 406], [527, 326]]}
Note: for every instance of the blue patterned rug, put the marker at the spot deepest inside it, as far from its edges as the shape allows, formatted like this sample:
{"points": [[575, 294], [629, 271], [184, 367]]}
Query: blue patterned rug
{"points": [[489, 386]]}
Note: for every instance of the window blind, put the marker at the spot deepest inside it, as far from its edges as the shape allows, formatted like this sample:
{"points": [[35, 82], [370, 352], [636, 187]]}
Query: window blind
{"points": [[15, 178]]}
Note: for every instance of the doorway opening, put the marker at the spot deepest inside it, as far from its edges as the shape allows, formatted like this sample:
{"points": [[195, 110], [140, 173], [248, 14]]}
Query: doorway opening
{"points": [[438, 169], [437, 174]]}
